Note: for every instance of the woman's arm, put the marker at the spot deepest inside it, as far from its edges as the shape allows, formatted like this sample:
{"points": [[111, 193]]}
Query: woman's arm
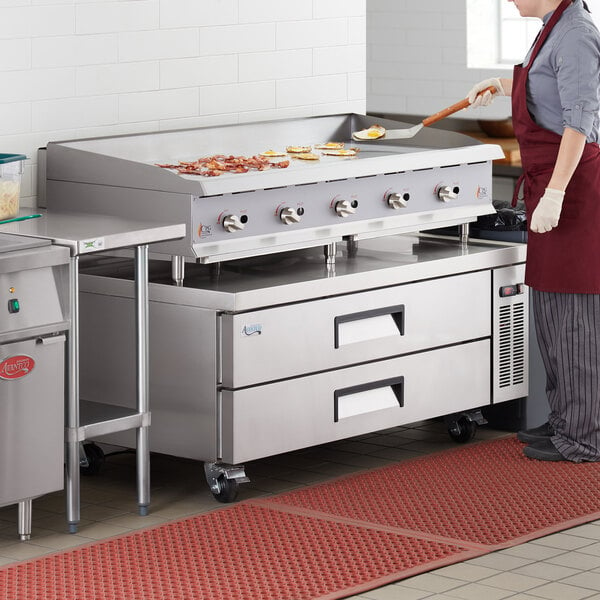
{"points": [[547, 213], [506, 86], [569, 155]]}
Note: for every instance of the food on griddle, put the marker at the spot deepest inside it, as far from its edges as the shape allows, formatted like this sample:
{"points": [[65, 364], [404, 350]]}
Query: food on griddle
{"points": [[213, 166], [272, 153], [341, 152], [306, 156], [330, 146], [372, 133], [298, 149]]}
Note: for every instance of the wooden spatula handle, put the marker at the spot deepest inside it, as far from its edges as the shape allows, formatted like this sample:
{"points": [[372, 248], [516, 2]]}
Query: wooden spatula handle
{"points": [[446, 112]]}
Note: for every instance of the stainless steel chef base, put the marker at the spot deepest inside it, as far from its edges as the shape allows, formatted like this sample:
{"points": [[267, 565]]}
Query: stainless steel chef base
{"points": [[34, 314], [272, 354]]}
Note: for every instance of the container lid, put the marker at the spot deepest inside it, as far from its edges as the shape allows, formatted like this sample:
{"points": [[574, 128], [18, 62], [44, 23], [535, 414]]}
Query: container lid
{"points": [[6, 158]]}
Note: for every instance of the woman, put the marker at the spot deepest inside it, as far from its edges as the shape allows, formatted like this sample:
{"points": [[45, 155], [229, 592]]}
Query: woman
{"points": [[555, 103]]}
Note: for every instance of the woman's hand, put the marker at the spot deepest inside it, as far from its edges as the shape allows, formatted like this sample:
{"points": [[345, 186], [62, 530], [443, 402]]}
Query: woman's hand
{"points": [[547, 213], [488, 97]]}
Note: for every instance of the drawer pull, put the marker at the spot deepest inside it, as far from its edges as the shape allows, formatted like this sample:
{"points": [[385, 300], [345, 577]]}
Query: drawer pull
{"points": [[368, 325], [368, 398]]}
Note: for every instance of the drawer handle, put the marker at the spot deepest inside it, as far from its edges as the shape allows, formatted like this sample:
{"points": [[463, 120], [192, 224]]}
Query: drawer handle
{"points": [[368, 397], [368, 325], [51, 339]]}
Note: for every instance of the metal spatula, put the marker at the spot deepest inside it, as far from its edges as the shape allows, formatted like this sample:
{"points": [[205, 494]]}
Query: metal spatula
{"points": [[395, 134]]}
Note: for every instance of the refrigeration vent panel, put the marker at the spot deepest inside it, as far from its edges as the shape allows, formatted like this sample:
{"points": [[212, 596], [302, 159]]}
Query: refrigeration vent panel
{"points": [[512, 359]]}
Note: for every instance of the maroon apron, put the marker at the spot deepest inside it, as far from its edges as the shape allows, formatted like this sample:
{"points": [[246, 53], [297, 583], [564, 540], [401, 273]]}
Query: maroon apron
{"points": [[567, 258]]}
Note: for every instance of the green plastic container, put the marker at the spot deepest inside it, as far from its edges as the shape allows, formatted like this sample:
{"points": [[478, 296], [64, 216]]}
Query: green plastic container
{"points": [[11, 170]]}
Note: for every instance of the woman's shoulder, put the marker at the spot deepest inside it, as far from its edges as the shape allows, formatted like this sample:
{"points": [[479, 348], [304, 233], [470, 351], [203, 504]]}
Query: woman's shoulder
{"points": [[577, 29]]}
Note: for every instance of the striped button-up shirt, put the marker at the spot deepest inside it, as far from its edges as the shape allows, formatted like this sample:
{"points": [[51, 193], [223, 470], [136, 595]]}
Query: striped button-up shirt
{"points": [[563, 88]]}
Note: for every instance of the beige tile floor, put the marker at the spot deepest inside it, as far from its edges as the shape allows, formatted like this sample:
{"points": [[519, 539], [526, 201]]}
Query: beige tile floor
{"points": [[562, 566]]}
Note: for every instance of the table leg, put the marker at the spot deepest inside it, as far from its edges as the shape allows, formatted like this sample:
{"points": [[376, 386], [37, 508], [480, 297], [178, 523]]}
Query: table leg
{"points": [[72, 408], [143, 403], [25, 519]]}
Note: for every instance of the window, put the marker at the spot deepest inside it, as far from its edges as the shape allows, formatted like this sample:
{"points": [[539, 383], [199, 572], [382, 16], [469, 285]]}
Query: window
{"points": [[497, 36], [515, 35]]}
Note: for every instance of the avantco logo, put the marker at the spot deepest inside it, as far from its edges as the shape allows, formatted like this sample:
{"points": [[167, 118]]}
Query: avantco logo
{"points": [[15, 367], [254, 329]]}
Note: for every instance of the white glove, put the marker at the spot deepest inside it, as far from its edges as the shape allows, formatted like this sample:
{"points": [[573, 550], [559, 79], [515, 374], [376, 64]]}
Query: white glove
{"points": [[547, 212], [487, 98]]}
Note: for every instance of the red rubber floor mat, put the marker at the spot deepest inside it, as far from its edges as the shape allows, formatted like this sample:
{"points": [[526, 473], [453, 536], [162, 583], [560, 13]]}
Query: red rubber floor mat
{"points": [[486, 493], [332, 540], [244, 552]]}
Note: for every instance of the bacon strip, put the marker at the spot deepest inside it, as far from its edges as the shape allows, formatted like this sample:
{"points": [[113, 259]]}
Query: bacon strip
{"points": [[213, 166]]}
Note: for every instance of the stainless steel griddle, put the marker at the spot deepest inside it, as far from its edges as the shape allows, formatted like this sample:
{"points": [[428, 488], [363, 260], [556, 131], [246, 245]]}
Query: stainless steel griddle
{"points": [[437, 178]]}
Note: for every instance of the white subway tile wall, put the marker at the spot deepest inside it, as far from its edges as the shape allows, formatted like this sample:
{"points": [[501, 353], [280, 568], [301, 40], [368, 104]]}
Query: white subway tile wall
{"points": [[417, 59], [81, 68]]}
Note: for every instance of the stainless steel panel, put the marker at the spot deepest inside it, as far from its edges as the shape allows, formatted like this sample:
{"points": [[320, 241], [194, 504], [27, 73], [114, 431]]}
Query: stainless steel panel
{"points": [[183, 371], [287, 415], [33, 258], [302, 338], [32, 421], [41, 293]]}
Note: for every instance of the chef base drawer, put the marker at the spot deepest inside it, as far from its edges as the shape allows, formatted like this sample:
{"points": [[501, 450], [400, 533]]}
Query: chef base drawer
{"points": [[288, 415], [289, 341]]}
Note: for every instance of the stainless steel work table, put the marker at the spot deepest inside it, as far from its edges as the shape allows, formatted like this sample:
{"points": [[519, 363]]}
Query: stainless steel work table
{"points": [[85, 234]]}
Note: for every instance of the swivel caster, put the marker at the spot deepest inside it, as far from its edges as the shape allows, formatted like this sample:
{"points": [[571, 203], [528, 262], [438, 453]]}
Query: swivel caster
{"points": [[94, 457], [228, 489], [462, 430], [224, 480]]}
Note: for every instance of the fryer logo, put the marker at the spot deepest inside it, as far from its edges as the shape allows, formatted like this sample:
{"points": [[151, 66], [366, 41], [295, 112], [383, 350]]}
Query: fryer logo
{"points": [[254, 329], [15, 367]]}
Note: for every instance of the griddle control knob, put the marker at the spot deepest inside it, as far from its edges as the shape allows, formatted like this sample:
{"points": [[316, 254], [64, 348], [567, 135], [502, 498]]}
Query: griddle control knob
{"points": [[289, 215], [345, 208], [446, 193], [397, 201], [234, 223]]}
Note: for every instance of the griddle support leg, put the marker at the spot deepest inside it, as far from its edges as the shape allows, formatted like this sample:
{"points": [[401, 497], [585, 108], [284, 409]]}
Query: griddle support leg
{"points": [[178, 269], [351, 246], [330, 251], [143, 379], [464, 233]]}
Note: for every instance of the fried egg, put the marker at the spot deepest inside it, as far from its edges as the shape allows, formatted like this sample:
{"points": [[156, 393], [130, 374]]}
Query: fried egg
{"points": [[330, 146], [272, 153], [372, 133], [298, 149], [340, 152], [306, 156]]}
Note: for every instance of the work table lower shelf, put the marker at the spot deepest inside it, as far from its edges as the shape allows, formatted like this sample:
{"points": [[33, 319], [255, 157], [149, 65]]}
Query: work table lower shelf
{"points": [[97, 418]]}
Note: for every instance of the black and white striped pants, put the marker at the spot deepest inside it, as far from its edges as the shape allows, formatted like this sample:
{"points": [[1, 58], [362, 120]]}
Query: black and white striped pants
{"points": [[568, 332]]}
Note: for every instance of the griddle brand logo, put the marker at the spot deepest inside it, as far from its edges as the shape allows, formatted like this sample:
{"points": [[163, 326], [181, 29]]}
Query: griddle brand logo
{"points": [[254, 329], [17, 366]]}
